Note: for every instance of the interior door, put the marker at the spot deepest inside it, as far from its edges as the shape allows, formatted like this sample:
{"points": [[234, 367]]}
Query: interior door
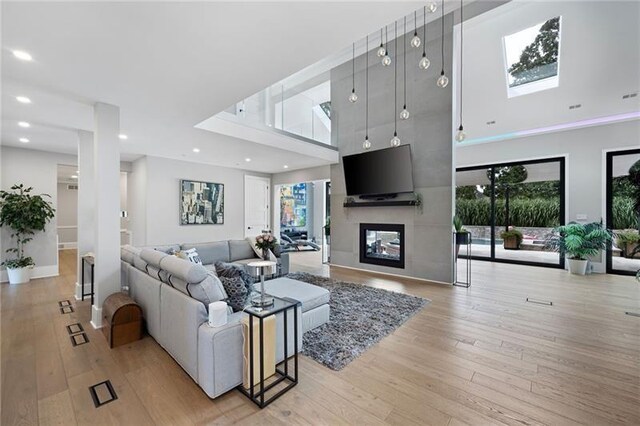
{"points": [[257, 209]]}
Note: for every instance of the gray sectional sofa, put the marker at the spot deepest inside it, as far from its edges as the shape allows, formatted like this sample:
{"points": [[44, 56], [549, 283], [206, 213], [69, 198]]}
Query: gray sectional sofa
{"points": [[174, 296]]}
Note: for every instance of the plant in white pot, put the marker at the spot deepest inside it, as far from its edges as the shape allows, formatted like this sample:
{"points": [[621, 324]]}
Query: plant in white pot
{"points": [[25, 214], [579, 242]]}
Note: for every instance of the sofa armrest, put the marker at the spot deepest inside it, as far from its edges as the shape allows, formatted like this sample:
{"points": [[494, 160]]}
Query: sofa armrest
{"points": [[284, 263], [220, 356]]}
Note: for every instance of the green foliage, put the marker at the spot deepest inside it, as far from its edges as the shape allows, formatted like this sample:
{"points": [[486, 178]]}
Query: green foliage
{"points": [[580, 241], [509, 175], [627, 236], [634, 177], [538, 212], [512, 233], [18, 263], [25, 214], [623, 213], [621, 186], [466, 192], [539, 55], [457, 224]]}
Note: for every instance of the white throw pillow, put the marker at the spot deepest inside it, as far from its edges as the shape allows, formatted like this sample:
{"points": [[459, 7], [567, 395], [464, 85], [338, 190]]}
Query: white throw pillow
{"points": [[191, 255], [252, 243]]}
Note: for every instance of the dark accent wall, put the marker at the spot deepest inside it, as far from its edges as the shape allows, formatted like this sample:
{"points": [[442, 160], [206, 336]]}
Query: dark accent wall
{"points": [[428, 233]]}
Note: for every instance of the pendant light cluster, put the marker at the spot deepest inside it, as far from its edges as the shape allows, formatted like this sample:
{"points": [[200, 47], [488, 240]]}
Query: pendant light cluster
{"points": [[383, 53]]}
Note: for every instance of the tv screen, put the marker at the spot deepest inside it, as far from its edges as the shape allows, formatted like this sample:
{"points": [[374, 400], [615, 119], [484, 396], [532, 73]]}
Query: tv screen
{"points": [[382, 172]]}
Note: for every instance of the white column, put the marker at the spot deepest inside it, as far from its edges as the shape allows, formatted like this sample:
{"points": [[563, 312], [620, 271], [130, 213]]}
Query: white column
{"points": [[106, 195], [86, 205]]}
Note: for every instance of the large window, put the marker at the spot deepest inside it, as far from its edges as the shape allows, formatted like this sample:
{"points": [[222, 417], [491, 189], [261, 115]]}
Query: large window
{"points": [[532, 58]]}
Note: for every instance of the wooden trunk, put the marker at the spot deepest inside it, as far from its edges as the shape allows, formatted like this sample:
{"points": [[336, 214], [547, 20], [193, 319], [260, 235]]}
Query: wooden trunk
{"points": [[122, 320]]}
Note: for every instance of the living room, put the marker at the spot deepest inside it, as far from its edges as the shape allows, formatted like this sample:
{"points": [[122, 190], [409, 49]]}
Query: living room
{"points": [[377, 227]]}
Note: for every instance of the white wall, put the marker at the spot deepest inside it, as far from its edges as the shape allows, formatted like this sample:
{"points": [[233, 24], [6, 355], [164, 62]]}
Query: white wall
{"points": [[38, 169], [584, 150], [303, 175], [154, 196]]}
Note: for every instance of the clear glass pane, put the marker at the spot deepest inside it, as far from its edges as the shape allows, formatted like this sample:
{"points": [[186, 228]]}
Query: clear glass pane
{"points": [[625, 220], [473, 207]]}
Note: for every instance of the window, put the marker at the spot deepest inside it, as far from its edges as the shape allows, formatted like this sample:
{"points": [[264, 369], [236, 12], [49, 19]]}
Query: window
{"points": [[532, 58]]}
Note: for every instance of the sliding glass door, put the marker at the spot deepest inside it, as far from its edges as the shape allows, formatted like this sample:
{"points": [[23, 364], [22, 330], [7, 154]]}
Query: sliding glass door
{"points": [[623, 211], [511, 208]]}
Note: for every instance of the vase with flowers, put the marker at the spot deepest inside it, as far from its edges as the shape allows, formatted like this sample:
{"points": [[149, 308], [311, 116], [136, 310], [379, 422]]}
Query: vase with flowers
{"points": [[266, 242]]}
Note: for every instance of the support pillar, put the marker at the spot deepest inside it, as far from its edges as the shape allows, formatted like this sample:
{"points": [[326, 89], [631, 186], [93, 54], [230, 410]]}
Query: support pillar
{"points": [[86, 206], [106, 195]]}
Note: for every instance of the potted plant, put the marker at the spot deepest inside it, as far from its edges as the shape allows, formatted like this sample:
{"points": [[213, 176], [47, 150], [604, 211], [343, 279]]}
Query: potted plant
{"points": [[266, 242], [628, 240], [511, 239], [579, 241], [327, 229], [463, 237], [25, 214]]}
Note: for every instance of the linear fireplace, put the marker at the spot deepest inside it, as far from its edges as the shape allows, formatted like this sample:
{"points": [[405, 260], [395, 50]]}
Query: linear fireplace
{"points": [[382, 244]]}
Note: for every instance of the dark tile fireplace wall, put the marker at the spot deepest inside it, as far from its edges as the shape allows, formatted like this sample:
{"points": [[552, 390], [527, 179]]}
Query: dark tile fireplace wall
{"points": [[428, 250], [385, 251]]}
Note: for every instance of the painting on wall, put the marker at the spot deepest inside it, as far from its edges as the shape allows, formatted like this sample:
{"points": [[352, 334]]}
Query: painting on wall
{"points": [[201, 203], [293, 205]]}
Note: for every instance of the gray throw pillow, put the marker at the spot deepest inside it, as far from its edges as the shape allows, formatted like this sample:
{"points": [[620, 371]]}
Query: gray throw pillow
{"points": [[237, 292], [229, 270]]}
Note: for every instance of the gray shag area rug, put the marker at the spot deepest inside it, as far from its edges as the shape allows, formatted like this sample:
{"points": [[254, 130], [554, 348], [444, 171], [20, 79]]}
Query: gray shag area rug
{"points": [[360, 317]]}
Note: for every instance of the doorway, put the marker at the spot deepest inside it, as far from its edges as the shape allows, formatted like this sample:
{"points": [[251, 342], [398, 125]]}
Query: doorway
{"points": [[511, 208], [257, 208], [622, 201]]}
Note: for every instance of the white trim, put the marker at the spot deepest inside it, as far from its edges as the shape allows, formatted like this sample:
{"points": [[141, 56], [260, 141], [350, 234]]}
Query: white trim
{"points": [[68, 246], [393, 275], [96, 317], [67, 227], [37, 272], [87, 289]]}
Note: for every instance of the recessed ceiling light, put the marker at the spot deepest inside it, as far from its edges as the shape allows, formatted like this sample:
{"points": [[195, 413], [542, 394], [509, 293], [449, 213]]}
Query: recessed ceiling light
{"points": [[196, 150], [22, 55], [74, 176], [247, 159], [23, 124], [123, 137], [23, 99], [24, 140], [285, 166]]}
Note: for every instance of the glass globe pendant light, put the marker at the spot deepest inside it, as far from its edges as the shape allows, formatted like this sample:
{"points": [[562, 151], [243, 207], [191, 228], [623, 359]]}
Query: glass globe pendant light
{"points": [[432, 7], [461, 135], [395, 140], [386, 59], [353, 98], [424, 62], [415, 40], [366, 144], [381, 52], [404, 114], [442, 81]]}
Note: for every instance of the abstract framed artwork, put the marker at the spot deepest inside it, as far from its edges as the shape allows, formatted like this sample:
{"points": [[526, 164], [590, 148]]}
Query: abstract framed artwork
{"points": [[201, 203]]}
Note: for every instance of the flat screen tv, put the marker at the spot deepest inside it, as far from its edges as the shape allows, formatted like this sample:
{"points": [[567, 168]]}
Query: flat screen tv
{"points": [[380, 173]]}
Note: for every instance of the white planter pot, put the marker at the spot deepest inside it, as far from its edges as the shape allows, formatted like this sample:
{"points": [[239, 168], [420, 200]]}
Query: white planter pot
{"points": [[578, 267], [19, 275]]}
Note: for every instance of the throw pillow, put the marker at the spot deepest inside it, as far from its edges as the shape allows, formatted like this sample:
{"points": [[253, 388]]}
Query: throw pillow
{"points": [[229, 270], [234, 286], [191, 255]]}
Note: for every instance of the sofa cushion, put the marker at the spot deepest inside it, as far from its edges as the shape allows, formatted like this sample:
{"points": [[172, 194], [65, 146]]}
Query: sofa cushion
{"points": [[153, 256], [169, 248], [139, 264], [240, 249], [209, 253], [310, 295], [206, 291], [127, 253], [183, 269]]}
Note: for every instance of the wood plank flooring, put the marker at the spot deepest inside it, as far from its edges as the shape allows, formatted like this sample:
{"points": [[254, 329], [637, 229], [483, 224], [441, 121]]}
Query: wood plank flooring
{"points": [[473, 356]]}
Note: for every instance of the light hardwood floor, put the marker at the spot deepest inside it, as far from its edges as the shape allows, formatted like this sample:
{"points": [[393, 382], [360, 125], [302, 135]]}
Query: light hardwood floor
{"points": [[473, 356]]}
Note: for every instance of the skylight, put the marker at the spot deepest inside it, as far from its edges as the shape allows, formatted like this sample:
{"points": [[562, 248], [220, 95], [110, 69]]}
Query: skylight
{"points": [[532, 58]]}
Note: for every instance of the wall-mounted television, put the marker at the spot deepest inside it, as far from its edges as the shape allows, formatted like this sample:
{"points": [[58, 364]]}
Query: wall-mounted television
{"points": [[380, 173]]}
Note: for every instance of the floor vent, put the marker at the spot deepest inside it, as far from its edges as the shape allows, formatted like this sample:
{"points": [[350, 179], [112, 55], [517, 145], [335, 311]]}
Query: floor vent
{"points": [[539, 302], [102, 393], [633, 314]]}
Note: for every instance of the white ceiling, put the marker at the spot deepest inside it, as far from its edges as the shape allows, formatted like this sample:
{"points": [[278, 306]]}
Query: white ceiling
{"points": [[599, 63], [168, 66]]}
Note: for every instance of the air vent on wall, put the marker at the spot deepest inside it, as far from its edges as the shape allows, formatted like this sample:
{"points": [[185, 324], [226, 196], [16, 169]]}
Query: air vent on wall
{"points": [[489, 123], [72, 187], [576, 106], [630, 95]]}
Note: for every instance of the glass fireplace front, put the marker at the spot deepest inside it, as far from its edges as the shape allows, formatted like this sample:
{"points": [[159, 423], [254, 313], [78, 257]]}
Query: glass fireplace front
{"points": [[382, 244]]}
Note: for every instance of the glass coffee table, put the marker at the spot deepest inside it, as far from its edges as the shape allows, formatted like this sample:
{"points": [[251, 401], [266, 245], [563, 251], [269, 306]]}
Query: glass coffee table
{"points": [[257, 392]]}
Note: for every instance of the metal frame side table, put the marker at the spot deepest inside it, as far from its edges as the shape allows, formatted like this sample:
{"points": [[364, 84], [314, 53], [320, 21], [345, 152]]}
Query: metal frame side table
{"points": [[91, 261], [466, 242], [280, 305]]}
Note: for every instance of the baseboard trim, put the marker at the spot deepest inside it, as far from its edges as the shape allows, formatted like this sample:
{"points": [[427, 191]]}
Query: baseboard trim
{"points": [[37, 272], [388, 274], [96, 317]]}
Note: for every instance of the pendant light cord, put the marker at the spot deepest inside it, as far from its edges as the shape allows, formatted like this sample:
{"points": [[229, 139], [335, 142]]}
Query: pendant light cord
{"points": [[404, 57], [461, 47], [366, 92], [395, 83], [424, 32], [442, 25], [353, 68]]}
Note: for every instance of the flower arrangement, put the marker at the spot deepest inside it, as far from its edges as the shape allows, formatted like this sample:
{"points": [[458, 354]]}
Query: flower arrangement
{"points": [[266, 242]]}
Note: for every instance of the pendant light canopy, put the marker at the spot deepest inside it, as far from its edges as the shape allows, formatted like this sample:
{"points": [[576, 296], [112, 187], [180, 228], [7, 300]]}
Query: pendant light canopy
{"points": [[386, 59], [395, 140], [461, 135], [443, 81], [353, 98], [381, 50], [424, 62], [415, 40], [366, 144], [404, 114]]}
